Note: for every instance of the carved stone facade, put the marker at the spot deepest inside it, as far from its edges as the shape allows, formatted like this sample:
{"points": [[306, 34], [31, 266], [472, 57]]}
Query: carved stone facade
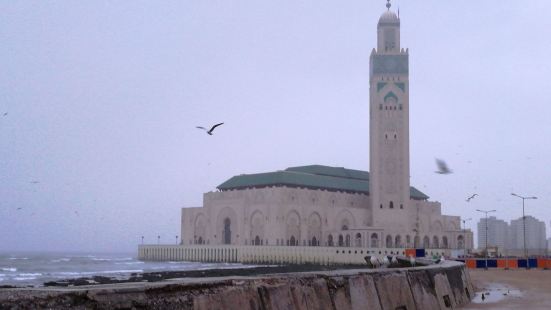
{"points": [[330, 206]]}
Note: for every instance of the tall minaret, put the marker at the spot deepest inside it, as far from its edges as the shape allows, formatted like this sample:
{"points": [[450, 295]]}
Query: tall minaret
{"points": [[389, 124]]}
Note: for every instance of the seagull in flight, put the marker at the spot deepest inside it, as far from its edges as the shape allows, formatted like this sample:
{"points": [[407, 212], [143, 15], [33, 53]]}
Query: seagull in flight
{"points": [[19, 208], [5, 114], [442, 167], [472, 197], [211, 129]]}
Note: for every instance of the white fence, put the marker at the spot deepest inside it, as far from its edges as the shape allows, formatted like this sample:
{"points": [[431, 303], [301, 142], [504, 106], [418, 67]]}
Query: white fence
{"points": [[268, 254]]}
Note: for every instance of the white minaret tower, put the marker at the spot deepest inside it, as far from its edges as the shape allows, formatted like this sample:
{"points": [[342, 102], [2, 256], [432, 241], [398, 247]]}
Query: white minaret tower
{"points": [[389, 124]]}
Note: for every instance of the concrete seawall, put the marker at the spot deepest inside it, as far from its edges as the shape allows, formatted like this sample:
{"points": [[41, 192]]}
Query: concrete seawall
{"points": [[444, 286]]}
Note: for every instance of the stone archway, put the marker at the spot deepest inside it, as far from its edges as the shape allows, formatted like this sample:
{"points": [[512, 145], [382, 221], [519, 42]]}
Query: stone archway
{"points": [[358, 240], [226, 233], [257, 226], [460, 242], [426, 242], [445, 242], [389, 241], [314, 229], [398, 241], [292, 227], [227, 227], [199, 229], [374, 240], [330, 240], [435, 242]]}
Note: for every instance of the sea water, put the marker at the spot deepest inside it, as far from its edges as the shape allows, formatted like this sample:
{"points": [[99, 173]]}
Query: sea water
{"points": [[36, 268]]}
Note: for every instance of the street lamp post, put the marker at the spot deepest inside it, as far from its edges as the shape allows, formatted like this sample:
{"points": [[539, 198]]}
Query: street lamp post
{"points": [[486, 212], [158, 239], [524, 225], [465, 237], [176, 240]]}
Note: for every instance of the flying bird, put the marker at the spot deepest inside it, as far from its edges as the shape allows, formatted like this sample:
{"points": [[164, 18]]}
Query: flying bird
{"points": [[5, 114], [35, 182], [472, 197], [19, 208], [442, 167], [211, 129]]}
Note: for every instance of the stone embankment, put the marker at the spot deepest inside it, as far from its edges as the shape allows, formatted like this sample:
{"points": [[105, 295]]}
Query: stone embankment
{"points": [[444, 286]]}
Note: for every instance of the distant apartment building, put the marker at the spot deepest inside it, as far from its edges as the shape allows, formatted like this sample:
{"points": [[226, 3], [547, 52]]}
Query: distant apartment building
{"points": [[536, 242], [508, 239], [497, 233]]}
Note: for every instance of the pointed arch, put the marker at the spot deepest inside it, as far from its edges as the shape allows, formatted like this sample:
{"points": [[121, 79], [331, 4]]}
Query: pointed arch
{"points": [[345, 219], [256, 225], [292, 226], [358, 240], [398, 241], [374, 240], [314, 228], [445, 242], [200, 228], [226, 226], [388, 241], [435, 242], [426, 242]]}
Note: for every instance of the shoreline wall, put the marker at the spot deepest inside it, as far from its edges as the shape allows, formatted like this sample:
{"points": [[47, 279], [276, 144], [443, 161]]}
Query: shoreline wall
{"points": [[271, 254], [444, 286]]}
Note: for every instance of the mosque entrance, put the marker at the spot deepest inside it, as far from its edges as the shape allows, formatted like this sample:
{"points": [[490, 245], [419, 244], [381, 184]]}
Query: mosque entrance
{"points": [[227, 231]]}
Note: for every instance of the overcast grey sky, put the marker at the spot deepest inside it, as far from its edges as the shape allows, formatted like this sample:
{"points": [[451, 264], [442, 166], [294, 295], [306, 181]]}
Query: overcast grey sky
{"points": [[103, 98]]}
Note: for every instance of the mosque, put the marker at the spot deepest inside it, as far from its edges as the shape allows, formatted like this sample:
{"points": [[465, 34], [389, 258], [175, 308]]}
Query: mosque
{"points": [[323, 206]]}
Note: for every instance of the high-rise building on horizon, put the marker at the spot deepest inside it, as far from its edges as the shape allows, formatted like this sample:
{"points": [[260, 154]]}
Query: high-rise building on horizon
{"points": [[497, 233], [536, 238], [509, 237]]}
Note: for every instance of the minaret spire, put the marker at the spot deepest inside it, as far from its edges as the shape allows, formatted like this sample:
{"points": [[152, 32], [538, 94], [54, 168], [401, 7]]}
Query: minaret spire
{"points": [[388, 5]]}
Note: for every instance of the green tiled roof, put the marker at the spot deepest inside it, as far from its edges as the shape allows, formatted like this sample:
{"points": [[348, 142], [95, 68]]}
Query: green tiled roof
{"points": [[313, 176]]}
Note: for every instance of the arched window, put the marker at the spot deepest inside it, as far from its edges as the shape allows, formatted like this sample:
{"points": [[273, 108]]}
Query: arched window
{"points": [[200, 240], [330, 240], [435, 243], [257, 240], [416, 242], [358, 240], [374, 240], [460, 242], [408, 241], [293, 241], [226, 234], [389, 241], [314, 241], [391, 205], [445, 242], [347, 240], [398, 241], [426, 242], [341, 240]]}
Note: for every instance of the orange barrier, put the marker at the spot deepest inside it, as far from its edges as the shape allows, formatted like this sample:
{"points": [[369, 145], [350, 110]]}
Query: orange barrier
{"points": [[410, 252], [512, 263], [502, 263], [471, 263]]}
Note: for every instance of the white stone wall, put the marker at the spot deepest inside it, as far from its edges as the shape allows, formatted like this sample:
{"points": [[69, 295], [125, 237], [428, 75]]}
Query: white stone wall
{"points": [[278, 214], [269, 254]]}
